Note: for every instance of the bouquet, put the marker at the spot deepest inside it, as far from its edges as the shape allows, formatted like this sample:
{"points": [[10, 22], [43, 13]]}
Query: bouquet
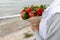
{"points": [[32, 11], [33, 14]]}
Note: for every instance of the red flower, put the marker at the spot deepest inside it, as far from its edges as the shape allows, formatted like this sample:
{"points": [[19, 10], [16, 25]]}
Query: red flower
{"points": [[32, 14], [39, 11], [22, 14], [22, 11], [28, 10]]}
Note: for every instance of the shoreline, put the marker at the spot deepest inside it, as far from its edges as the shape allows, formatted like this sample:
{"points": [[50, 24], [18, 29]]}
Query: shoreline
{"points": [[7, 20], [12, 16], [10, 25]]}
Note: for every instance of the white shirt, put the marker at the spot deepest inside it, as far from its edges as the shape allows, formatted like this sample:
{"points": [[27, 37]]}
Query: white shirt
{"points": [[47, 15]]}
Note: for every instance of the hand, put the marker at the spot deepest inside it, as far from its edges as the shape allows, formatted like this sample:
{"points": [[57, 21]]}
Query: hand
{"points": [[35, 28], [35, 24]]}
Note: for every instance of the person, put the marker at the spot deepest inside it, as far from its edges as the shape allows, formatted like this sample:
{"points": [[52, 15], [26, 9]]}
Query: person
{"points": [[49, 26]]}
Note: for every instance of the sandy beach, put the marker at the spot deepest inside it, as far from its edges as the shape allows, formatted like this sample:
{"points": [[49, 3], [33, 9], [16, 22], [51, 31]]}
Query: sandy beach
{"points": [[18, 35], [13, 29], [8, 24]]}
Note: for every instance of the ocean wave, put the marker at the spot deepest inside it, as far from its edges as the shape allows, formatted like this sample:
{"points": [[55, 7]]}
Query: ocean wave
{"points": [[10, 16]]}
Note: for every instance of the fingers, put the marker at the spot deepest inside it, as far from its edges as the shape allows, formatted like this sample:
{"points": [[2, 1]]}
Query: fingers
{"points": [[35, 28]]}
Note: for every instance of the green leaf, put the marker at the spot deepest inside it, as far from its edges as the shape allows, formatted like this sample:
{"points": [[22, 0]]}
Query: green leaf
{"points": [[35, 8], [26, 16], [43, 6], [27, 35]]}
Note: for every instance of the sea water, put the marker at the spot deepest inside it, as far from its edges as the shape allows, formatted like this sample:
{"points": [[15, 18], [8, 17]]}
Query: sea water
{"points": [[12, 8]]}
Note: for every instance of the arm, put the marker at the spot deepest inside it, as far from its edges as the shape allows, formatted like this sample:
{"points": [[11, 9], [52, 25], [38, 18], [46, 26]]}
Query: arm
{"points": [[54, 28], [35, 26], [34, 23], [37, 35]]}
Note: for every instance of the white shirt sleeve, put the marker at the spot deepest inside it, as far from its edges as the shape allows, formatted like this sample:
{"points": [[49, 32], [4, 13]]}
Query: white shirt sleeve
{"points": [[37, 35]]}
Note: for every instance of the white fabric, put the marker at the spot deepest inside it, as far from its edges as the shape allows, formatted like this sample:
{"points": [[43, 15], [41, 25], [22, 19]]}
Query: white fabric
{"points": [[47, 15], [37, 36]]}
